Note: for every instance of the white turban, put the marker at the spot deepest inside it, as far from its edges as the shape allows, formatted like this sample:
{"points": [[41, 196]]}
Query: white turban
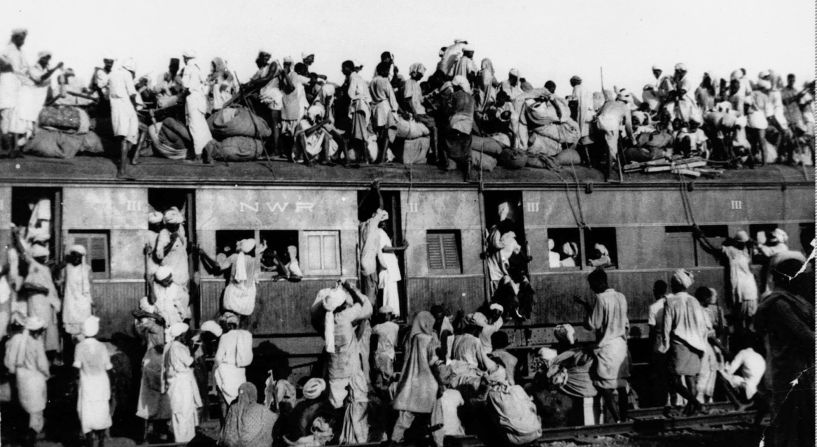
{"points": [[19, 32], [331, 299], [34, 323], [497, 306], [173, 216], [78, 249], [129, 64], [381, 215], [461, 82], [178, 329], [162, 273], [780, 235], [145, 305], [38, 251], [551, 244], [306, 54], [211, 327], [764, 84], [680, 66], [503, 210], [245, 247], [417, 68], [155, 217], [602, 249], [569, 248], [386, 309], [43, 54], [514, 72], [468, 47], [315, 112], [90, 327], [189, 53], [742, 236], [547, 354], [683, 277], [314, 387], [565, 332]]}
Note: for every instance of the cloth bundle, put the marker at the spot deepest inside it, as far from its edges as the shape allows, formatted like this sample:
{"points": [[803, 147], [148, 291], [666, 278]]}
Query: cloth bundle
{"points": [[483, 161], [174, 139], [238, 122], [68, 119], [415, 150], [410, 129], [56, 144], [237, 149], [515, 413], [513, 159]]}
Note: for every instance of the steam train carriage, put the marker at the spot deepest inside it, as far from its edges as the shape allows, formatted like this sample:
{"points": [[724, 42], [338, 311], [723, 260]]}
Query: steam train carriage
{"points": [[645, 222]]}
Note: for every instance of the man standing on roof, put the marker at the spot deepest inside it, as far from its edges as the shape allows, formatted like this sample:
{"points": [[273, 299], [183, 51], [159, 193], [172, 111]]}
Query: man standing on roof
{"points": [[263, 64], [194, 82], [512, 85], [14, 70], [584, 106], [123, 110], [608, 318], [465, 65], [412, 102], [612, 115]]}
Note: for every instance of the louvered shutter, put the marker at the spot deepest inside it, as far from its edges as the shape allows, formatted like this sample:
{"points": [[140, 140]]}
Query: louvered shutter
{"points": [[96, 248], [443, 252], [435, 251]]}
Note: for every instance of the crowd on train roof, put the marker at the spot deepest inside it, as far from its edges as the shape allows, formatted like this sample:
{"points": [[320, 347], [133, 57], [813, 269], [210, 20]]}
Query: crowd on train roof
{"points": [[457, 115], [383, 376]]}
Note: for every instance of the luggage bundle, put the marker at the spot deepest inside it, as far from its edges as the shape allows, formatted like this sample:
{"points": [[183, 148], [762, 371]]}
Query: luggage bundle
{"points": [[239, 134], [413, 139], [515, 413], [63, 132]]}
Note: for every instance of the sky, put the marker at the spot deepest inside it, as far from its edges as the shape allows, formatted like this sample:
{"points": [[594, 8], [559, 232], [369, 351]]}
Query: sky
{"points": [[544, 39]]}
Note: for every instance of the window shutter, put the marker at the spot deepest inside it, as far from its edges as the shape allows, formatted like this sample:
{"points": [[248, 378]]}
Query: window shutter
{"points": [[330, 252], [97, 254], [435, 251], [451, 257], [321, 252]]}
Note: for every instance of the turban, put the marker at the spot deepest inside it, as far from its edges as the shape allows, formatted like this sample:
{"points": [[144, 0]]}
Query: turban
{"points": [[40, 237], [496, 306], [264, 53], [229, 318], [780, 235], [602, 249], [742, 236], [656, 67], [502, 210], [575, 79], [356, 63], [476, 319], [328, 90], [417, 68], [386, 309], [306, 54], [623, 95], [683, 277], [729, 121], [461, 82], [639, 116], [34, 323], [287, 59], [211, 327], [145, 305], [467, 47], [189, 53], [565, 333], [547, 354], [456, 41], [129, 64], [331, 300], [764, 74], [514, 72], [173, 216], [42, 54], [680, 66], [570, 248], [178, 329], [247, 245], [315, 112], [18, 319], [19, 32], [314, 387], [90, 327], [764, 84], [551, 244], [38, 251], [162, 273], [78, 249], [381, 215], [155, 217]]}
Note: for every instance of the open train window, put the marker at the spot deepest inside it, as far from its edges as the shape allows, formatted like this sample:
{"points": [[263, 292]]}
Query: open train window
{"points": [[606, 237], [510, 204], [226, 241], [37, 212], [320, 253], [97, 249], [566, 245], [806, 236], [278, 248], [444, 251], [716, 235], [755, 231]]}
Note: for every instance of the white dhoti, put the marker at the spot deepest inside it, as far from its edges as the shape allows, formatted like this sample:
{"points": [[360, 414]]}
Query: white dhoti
{"points": [[93, 405], [9, 93], [33, 394], [240, 298], [185, 401], [124, 121], [391, 296], [228, 378], [611, 127], [194, 109]]}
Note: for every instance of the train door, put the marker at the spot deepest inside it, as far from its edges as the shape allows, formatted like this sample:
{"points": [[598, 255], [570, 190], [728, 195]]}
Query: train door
{"points": [[162, 199], [504, 210], [368, 202], [37, 214]]}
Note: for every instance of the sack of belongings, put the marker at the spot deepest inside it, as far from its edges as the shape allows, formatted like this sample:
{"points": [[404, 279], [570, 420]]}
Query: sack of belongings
{"points": [[542, 162], [539, 145], [55, 144], [410, 129], [237, 149], [174, 139], [414, 151], [569, 157], [481, 159], [486, 145], [65, 119], [501, 138], [237, 122], [515, 413], [566, 132], [513, 158]]}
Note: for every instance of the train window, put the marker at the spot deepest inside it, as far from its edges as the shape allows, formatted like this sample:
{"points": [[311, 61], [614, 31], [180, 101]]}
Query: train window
{"points": [[755, 231], [679, 247], [606, 239], [97, 250], [37, 212], [716, 235], [566, 247], [226, 241], [320, 254], [282, 248], [444, 251], [806, 236], [509, 205]]}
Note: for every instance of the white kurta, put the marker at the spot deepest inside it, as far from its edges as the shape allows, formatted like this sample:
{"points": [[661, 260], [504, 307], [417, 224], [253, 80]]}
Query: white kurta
{"points": [[123, 115], [196, 105], [10, 86], [25, 357], [234, 353], [390, 273], [93, 403], [76, 305], [239, 295], [176, 258], [183, 391], [172, 303]]}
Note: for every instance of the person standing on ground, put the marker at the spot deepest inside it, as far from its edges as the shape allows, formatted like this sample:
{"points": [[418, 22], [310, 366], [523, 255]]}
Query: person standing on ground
{"points": [[181, 386], [25, 358], [92, 360], [233, 355]]}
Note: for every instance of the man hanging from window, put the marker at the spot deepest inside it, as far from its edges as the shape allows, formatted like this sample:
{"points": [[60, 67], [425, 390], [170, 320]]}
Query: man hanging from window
{"points": [[239, 295], [171, 247]]}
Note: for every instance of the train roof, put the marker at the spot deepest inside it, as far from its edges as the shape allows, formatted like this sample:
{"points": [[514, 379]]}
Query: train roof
{"points": [[163, 172]]}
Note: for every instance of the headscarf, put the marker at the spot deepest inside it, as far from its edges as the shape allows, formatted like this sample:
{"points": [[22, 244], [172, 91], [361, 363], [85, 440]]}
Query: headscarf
{"points": [[155, 217], [211, 327], [417, 68], [565, 333], [314, 387], [90, 327], [173, 216], [331, 299], [245, 246], [683, 277], [417, 389], [248, 423], [178, 329], [503, 210], [423, 323]]}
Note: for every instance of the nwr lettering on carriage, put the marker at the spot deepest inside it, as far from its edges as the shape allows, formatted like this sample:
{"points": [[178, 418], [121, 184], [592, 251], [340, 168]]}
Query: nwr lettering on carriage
{"points": [[276, 207]]}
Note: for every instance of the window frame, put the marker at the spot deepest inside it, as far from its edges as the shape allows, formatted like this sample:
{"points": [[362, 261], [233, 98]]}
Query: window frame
{"points": [[440, 233], [581, 264], [105, 235], [304, 252], [615, 260]]}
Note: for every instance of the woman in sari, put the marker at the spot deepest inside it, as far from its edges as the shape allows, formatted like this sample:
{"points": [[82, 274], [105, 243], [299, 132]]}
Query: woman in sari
{"points": [[248, 423]]}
